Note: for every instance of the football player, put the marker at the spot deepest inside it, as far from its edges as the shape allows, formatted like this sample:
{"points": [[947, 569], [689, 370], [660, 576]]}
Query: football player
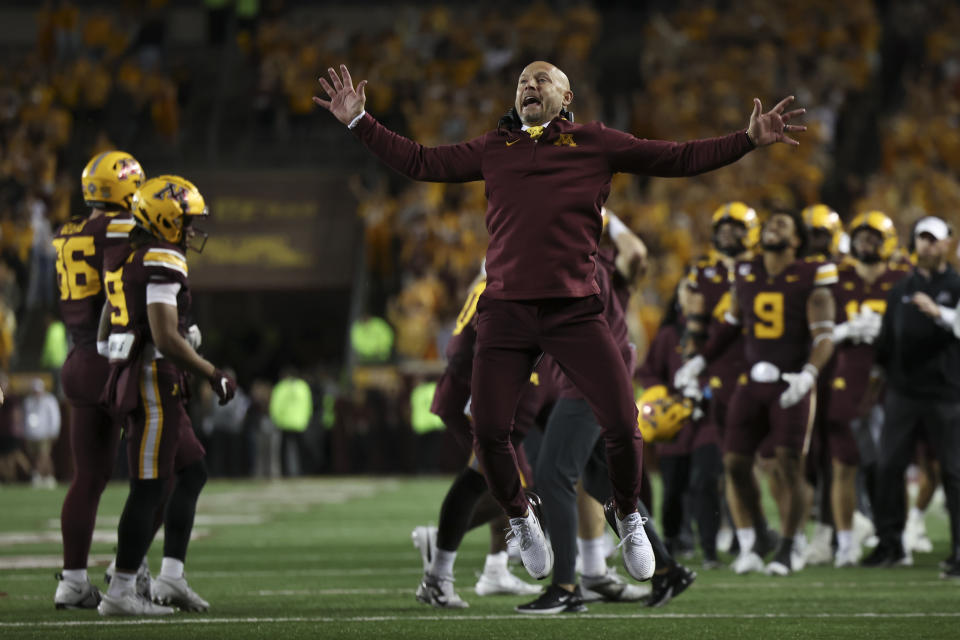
{"points": [[705, 301], [784, 308], [826, 235], [149, 301], [865, 279], [109, 182]]}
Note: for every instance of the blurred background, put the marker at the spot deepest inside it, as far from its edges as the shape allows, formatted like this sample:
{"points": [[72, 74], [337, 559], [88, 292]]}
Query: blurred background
{"points": [[325, 271]]}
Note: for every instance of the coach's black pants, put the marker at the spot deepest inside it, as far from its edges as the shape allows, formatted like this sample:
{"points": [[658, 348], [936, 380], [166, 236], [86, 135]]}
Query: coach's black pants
{"points": [[904, 416]]}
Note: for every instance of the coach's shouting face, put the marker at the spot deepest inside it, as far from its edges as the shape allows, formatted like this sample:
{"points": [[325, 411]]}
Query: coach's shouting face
{"points": [[542, 92]]}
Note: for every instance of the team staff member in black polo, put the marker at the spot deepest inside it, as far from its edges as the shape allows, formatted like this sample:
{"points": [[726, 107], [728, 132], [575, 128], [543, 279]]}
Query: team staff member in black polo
{"points": [[919, 355]]}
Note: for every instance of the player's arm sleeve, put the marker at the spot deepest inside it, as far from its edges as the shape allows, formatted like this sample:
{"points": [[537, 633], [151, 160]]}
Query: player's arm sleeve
{"points": [[447, 163], [629, 154]]}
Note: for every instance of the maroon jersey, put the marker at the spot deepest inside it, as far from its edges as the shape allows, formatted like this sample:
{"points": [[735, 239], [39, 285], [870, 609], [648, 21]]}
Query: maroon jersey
{"points": [[711, 279], [156, 269], [853, 361], [544, 196], [773, 309], [81, 246]]}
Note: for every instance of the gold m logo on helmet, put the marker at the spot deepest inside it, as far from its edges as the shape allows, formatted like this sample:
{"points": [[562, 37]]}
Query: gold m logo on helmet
{"points": [[175, 192], [565, 140]]}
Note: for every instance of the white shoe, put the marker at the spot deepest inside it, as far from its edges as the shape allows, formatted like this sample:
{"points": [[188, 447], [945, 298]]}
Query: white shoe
{"points": [[612, 588], [847, 558], [637, 552], [74, 594], [820, 549], [143, 577], [747, 562], [438, 592], [915, 535], [500, 581], [425, 540], [177, 593], [131, 603], [535, 551], [724, 538], [777, 568]]}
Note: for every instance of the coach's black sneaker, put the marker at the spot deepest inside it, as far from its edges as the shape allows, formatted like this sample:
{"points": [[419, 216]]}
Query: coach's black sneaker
{"points": [[948, 562], [555, 599], [887, 554], [669, 584]]}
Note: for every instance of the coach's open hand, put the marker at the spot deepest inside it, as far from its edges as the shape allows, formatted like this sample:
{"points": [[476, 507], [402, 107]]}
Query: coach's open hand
{"points": [[345, 102], [767, 128]]}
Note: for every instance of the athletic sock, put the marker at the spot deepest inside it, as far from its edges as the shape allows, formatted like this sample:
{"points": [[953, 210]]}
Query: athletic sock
{"points": [[844, 540], [171, 568], [746, 537], [75, 575], [121, 583], [443, 564], [592, 556], [495, 562]]}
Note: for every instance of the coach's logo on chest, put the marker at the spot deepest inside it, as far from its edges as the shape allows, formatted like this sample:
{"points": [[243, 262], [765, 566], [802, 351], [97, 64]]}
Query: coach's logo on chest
{"points": [[793, 278], [565, 140]]}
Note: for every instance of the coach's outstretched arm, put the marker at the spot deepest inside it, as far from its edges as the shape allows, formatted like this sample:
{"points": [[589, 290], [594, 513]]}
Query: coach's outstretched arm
{"points": [[448, 163]]}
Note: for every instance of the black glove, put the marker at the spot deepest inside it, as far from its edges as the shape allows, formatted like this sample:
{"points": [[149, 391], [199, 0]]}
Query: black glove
{"points": [[223, 385]]}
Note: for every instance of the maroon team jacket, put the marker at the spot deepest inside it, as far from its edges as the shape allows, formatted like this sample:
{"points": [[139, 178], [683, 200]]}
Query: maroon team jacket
{"points": [[544, 196]]}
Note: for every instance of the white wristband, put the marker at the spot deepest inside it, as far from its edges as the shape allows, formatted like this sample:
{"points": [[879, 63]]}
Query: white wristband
{"points": [[354, 122], [812, 369]]}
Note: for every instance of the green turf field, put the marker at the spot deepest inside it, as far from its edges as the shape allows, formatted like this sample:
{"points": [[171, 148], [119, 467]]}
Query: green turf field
{"points": [[332, 558]]}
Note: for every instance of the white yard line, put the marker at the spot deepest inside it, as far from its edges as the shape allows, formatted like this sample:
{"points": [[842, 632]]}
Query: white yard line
{"points": [[177, 620]]}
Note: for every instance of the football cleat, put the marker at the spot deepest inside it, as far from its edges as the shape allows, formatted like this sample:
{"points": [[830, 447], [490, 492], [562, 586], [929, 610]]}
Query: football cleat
{"points": [[74, 594], [611, 588], [177, 593], [747, 562], [847, 558], [438, 592], [670, 584], [820, 549], [131, 603], [915, 534], [496, 582], [535, 551], [425, 540], [143, 577], [555, 600]]}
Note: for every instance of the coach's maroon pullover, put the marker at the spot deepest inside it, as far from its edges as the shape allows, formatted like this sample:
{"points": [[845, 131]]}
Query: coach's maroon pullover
{"points": [[544, 196]]}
